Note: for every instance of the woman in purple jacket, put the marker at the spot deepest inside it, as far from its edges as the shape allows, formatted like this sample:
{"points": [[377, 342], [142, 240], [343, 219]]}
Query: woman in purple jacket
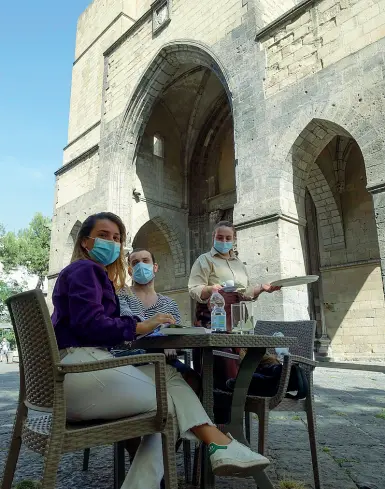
{"points": [[88, 324]]}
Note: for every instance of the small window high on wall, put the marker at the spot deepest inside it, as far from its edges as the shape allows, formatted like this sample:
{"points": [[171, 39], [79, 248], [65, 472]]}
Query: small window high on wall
{"points": [[158, 146]]}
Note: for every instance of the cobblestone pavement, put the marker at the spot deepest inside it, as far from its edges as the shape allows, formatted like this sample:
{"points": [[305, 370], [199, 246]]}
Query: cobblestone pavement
{"points": [[351, 433]]}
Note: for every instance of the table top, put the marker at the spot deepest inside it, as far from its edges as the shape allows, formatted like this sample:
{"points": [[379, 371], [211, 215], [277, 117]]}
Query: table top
{"points": [[215, 341]]}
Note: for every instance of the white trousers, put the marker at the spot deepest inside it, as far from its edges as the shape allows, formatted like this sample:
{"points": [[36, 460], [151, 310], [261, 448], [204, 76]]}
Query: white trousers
{"points": [[127, 391]]}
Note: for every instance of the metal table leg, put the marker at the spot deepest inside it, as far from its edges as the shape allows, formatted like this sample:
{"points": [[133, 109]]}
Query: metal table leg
{"points": [[242, 383], [119, 464], [207, 476]]}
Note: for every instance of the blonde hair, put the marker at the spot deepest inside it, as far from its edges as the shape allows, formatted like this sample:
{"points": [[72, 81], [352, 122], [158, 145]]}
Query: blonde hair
{"points": [[117, 270]]}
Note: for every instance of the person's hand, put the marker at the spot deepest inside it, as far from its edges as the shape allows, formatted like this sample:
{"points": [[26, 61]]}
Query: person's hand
{"points": [[269, 288], [214, 288], [170, 354], [152, 323], [208, 291], [161, 318]]}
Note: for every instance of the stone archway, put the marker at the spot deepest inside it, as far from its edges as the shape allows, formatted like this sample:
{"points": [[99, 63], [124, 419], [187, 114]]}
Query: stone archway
{"points": [[300, 159], [328, 210], [175, 155], [69, 246], [170, 235], [349, 253], [138, 111], [152, 238]]}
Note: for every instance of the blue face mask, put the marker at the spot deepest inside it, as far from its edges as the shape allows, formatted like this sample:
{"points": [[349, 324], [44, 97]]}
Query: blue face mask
{"points": [[105, 251], [143, 273], [223, 247]]}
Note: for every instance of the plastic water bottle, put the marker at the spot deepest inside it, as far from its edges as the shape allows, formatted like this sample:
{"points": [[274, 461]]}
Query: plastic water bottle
{"points": [[218, 313]]}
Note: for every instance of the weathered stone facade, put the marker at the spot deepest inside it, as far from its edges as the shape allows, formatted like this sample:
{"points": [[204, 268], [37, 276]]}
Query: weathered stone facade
{"points": [[268, 113]]}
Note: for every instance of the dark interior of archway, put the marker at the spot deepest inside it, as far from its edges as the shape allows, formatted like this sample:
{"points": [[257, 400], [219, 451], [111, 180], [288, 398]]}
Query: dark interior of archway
{"points": [[194, 176], [348, 272], [150, 237]]}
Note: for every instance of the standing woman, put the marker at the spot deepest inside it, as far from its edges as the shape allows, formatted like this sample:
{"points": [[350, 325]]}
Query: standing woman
{"points": [[208, 275], [88, 324]]}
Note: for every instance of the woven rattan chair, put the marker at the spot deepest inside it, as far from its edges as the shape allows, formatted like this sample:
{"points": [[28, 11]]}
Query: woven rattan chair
{"points": [[41, 389], [302, 354], [120, 447]]}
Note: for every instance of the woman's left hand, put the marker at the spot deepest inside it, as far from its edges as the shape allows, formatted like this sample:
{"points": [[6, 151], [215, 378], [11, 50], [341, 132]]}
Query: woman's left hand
{"points": [[269, 288]]}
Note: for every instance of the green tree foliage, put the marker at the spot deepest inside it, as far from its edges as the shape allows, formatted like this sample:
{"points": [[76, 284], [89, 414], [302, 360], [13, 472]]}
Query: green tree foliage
{"points": [[10, 337], [29, 248], [6, 290]]}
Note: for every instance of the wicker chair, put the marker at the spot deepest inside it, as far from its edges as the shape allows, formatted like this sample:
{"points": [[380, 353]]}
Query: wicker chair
{"points": [[41, 389], [120, 447], [302, 354]]}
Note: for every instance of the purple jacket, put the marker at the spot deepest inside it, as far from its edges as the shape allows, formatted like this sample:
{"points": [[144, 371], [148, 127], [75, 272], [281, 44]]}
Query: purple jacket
{"points": [[86, 310]]}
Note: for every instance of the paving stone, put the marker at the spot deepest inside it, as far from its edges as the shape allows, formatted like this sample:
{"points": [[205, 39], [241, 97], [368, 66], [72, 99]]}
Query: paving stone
{"points": [[351, 447]]}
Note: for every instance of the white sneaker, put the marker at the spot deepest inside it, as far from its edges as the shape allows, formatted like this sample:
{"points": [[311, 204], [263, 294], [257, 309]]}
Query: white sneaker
{"points": [[234, 459]]}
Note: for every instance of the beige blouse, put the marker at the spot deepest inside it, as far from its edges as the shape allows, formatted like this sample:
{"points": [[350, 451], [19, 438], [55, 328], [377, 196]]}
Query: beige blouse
{"points": [[210, 269]]}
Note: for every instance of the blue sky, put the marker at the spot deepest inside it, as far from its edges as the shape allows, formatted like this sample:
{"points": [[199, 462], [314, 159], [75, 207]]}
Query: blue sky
{"points": [[38, 43]]}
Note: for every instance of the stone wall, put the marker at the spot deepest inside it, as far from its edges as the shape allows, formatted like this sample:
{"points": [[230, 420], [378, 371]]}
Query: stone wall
{"points": [[80, 181], [354, 311], [189, 20], [319, 37], [226, 172], [97, 17], [270, 10], [352, 288], [142, 6], [281, 125], [357, 209], [160, 179], [87, 80]]}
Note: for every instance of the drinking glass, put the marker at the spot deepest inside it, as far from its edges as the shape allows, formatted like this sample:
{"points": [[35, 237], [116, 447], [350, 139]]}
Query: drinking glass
{"points": [[247, 317], [236, 318]]}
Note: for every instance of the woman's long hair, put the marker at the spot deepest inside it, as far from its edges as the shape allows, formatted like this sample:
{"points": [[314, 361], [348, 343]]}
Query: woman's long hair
{"points": [[117, 270]]}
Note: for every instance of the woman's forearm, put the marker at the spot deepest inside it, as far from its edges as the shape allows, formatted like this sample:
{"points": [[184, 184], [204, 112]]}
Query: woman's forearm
{"points": [[264, 288], [258, 289], [143, 327], [206, 292], [149, 325]]}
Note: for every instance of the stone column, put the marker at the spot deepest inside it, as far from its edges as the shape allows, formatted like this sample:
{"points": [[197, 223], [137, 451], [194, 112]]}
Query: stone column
{"points": [[272, 248], [378, 193]]}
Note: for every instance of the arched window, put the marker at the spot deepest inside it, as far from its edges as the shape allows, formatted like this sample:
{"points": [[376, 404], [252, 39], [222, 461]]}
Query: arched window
{"points": [[158, 146]]}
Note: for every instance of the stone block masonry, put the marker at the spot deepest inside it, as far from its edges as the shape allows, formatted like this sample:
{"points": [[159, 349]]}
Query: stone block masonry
{"points": [[326, 33], [267, 121], [128, 61], [79, 181]]}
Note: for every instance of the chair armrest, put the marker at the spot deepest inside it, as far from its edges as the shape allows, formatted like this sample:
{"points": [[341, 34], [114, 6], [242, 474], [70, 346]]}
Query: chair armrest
{"points": [[159, 361], [304, 360], [77, 368], [224, 354]]}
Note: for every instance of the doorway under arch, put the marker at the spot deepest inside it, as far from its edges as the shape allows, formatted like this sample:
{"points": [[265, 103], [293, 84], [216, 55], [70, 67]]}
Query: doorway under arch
{"points": [[183, 150], [340, 242]]}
